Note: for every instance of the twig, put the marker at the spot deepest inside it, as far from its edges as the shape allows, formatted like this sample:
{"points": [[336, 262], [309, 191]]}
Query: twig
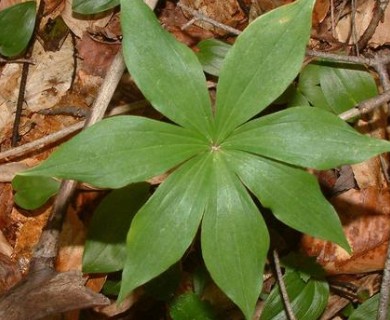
{"points": [[49, 238], [107, 89], [366, 106], [341, 58], [45, 141], [376, 17], [353, 25], [199, 16], [383, 307], [19, 105], [282, 287], [2, 60], [23, 81]]}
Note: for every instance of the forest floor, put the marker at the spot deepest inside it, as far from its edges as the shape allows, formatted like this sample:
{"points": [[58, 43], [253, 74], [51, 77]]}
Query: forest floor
{"points": [[62, 83]]}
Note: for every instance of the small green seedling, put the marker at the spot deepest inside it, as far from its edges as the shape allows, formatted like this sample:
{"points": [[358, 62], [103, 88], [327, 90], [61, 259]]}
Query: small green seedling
{"points": [[220, 155]]}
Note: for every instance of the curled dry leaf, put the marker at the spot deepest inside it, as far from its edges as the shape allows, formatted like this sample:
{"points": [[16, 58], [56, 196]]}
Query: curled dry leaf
{"points": [[365, 215]]}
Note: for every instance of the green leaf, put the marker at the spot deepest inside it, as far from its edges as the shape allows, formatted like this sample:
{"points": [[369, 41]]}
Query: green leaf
{"points": [[189, 307], [121, 150], [306, 137], [367, 310], [309, 85], [16, 28], [33, 192], [336, 87], [292, 194], [93, 6], [211, 55], [234, 239], [111, 287], [167, 72], [308, 267], [345, 87], [264, 60], [308, 299], [166, 225], [105, 248]]}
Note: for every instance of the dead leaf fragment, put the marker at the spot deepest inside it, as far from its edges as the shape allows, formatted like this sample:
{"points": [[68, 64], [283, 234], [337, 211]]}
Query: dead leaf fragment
{"points": [[365, 216], [226, 12], [363, 16]]}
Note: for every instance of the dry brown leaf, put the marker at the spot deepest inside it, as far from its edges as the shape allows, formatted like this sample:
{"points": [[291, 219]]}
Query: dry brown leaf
{"points": [[173, 19], [363, 15], [365, 215], [9, 170], [71, 244], [96, 56], [320, 11], [79, 25], [227, 12], [29, 229], [53, 8], [48, 80]]}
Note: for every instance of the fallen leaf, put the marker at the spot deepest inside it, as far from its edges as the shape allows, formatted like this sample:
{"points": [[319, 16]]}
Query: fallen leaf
{"points": [[365, 216]]}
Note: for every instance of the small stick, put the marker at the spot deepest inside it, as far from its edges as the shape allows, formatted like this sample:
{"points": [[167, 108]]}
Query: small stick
{"points": [[43, 142], [23, 80], [199, 16], [282, 287], [2, 60], [366, 106]]}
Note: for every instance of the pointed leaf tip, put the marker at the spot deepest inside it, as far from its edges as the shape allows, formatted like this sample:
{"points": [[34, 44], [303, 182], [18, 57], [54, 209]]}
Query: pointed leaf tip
{"points": [[165, 226], [234, 239], [166, 71], [264, 60]]}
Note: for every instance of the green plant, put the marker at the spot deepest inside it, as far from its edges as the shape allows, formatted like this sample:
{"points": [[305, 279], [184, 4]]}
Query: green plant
{"points": [[219, 158], [16, 28]]}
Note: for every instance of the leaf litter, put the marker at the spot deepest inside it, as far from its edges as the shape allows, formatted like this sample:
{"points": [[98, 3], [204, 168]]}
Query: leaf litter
{"points": [[366, 207]]}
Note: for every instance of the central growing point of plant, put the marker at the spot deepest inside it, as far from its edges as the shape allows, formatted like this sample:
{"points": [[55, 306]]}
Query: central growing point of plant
{"points": [[209, 189]]}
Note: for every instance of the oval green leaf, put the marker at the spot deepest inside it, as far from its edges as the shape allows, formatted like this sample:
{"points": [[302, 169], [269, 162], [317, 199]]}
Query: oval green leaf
{"points": [[336, 87], [211, 54], [93, 6], [105, 248], [16, 28], [308, 299], [33, 192], [367, 310]]}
